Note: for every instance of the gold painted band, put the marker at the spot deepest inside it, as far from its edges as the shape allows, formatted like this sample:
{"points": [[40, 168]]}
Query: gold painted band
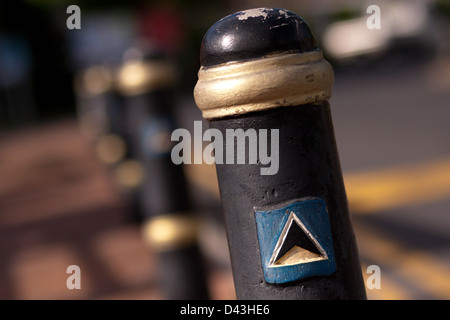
{"points": [[137, 77], [261, 84], [171, 231], [93, 81], [110, 148], [129, 174]]}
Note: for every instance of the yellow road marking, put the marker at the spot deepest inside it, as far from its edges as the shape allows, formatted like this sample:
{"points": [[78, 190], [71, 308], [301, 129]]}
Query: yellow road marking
{"points": [[417, 267], [371, 192], [390, 288]]}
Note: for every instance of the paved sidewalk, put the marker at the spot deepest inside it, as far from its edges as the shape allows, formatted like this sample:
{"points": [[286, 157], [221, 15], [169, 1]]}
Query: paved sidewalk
{"points": [[59, 207]]}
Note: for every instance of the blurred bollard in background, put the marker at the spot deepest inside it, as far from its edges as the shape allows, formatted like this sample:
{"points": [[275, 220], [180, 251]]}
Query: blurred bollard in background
{"points": [[147, 81], [101, 115], [132, 115]]}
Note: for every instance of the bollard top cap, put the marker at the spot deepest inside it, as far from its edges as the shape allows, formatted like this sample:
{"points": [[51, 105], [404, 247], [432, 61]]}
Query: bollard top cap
{"points": [[260, 59], [255, 33]]}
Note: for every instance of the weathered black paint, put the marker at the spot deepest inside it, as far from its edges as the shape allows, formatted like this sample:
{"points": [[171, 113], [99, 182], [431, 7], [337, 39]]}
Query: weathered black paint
{"points": [[308, 165], [237, 38]]}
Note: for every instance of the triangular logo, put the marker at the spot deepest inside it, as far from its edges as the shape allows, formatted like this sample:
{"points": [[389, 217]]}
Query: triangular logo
{"points": [[295, 240], [296, 245]]}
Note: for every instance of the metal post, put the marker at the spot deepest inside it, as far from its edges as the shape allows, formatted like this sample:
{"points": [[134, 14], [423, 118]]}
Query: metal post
{"points": [[169, 225], [281, 186], [101, 113]]}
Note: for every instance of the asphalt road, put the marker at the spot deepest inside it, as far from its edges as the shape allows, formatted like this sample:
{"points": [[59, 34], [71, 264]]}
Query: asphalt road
{"points": [[392, 125]]}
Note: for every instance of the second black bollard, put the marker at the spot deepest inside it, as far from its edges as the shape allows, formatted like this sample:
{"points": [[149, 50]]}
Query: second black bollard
{"points": [[169, 225], [264, 87]]}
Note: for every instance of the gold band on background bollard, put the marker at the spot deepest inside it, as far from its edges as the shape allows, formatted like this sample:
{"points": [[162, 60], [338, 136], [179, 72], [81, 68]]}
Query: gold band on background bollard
{"points": [[93, 81], [171, 231], [129, 174], [280, 80], [110, 148], [137, 77]]}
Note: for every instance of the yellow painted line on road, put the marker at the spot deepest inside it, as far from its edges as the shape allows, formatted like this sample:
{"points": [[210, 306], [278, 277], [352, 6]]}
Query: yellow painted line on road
{"points": [[374, 191], [421, 269], [390, 288]]}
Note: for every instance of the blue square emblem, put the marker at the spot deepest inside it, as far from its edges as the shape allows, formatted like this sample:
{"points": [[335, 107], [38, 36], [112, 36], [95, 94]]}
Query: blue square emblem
{"points": [[295, 240]]}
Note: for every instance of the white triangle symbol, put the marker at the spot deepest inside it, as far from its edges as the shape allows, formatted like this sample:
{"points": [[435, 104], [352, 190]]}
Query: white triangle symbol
{"points": [[296, 254]]}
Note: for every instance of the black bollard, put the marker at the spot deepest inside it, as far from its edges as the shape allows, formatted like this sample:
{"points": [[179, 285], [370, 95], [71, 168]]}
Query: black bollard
{"points": [[101, 113], [98, 112], [286, 213], [169, 225]]}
